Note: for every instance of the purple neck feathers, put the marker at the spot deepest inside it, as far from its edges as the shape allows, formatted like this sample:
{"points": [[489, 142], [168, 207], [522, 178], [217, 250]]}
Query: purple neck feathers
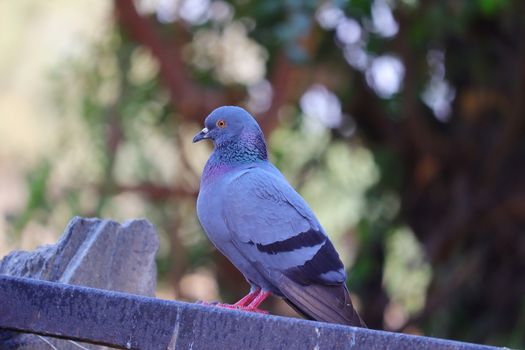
{"points": [[248, 148]]}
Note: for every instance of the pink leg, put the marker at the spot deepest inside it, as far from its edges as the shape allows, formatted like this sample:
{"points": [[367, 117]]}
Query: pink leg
{"points": [[253, 306], [248, 298], [249, 302]]}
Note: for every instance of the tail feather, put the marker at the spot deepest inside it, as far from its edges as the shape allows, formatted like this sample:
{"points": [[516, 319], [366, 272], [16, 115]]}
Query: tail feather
{"points": [[326, 303]]}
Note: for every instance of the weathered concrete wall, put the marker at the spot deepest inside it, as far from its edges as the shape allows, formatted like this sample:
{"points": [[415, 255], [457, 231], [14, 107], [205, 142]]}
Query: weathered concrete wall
{"points": [[91, 252], [136, 322]]}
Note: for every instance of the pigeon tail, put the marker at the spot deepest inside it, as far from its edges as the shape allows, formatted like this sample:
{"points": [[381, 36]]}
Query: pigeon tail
{"points": [[325, 303]]}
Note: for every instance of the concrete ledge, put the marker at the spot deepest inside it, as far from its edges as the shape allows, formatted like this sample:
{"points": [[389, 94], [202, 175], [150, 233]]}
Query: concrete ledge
{"points": [[134, 322]]}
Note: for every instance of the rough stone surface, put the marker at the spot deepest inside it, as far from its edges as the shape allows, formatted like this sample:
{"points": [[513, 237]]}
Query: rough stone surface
{"points": [[136, 322], [91, 252]]}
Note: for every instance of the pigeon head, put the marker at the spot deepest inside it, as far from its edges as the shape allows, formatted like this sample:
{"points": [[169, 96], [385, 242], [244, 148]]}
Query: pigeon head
{"points": [[234, 133], [227, 124]]}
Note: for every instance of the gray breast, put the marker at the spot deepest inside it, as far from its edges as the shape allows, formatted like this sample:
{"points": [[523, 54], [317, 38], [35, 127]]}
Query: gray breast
{"points": [[211, 216]]}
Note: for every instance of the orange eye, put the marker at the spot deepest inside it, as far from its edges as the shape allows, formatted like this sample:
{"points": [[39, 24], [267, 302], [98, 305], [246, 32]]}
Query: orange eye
{"points": [[221, 123]]}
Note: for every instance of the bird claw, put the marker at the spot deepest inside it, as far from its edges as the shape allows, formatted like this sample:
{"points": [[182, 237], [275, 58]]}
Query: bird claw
{"points": [[256, 310], [242, 308], [248, 303]]}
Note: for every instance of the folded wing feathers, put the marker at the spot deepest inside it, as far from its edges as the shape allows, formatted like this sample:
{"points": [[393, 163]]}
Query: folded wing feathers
{"points": [[309, 238], [321, 302], [324, 267], [279, 231]]}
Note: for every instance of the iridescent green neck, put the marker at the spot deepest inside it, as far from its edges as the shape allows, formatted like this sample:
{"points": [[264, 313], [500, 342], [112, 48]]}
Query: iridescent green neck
{"points": [[247, 149], [229, 154]]}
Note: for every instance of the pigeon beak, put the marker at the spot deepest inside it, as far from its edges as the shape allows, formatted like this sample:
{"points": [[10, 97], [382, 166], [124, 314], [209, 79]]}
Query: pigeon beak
{"points": [[201, 135]]}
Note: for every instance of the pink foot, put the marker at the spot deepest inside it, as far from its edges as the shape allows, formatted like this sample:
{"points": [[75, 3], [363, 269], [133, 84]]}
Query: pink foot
{"points": [[253, 305], [249, 303], [243, 308], [257, 310], [249, 298]]}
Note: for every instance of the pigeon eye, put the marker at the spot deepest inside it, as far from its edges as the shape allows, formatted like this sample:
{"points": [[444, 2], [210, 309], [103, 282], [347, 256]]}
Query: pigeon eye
{"points": [[221, 123]]}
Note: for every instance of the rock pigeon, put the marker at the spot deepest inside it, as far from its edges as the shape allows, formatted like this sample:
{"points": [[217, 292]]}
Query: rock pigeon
{"points": [[264, 227]]}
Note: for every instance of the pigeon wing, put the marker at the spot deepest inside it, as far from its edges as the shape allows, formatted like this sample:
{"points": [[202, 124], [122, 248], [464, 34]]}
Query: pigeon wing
{"points": [[273, 227]]}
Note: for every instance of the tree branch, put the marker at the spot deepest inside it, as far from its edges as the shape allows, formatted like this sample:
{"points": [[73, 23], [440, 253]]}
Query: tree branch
{"points": [[191, 100]]}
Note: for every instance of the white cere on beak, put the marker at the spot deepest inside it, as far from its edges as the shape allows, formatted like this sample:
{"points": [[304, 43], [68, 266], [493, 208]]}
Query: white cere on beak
{"points": [[205, 130]]}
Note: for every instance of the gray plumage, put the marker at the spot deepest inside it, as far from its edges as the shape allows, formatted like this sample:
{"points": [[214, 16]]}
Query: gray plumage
{"points": [[266, 229]]}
